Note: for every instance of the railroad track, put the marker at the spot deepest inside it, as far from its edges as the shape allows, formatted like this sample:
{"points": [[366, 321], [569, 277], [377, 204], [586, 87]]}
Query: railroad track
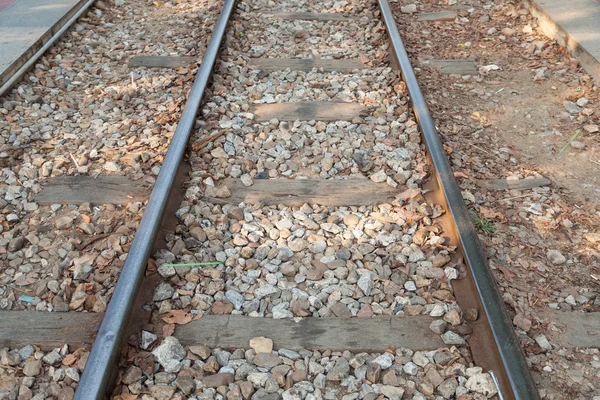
{"points": [[321, 249]]}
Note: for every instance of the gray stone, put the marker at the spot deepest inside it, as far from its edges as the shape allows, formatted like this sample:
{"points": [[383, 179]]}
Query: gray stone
{"points": [[438, 326], [448, 388], [385, 360], [147, 340], [132, 374], [452, 338], [258, 379], [264, 291], [163, 291], [52, 358], [556, 257], [482, 383], [366, 282], [267, 360], [235, 298], [543, 342], [572, 108], [340, 370], [410, 368], [216, 380], [169, 354], [409, 9]]}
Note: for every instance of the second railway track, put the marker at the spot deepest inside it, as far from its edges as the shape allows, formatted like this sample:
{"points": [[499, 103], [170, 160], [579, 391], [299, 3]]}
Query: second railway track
{"points": [[321, 248]]}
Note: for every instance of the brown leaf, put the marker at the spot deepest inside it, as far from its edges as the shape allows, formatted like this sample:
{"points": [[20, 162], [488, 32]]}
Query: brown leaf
{"points": [[168, 330], [508, 274], [69, 360], [490, 214], [408, 194], [179, 317]]}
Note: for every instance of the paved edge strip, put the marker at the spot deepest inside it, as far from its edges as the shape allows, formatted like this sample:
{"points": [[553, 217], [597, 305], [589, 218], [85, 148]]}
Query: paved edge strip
{"points": [[590, 62], [27, 59], [514, 376]]}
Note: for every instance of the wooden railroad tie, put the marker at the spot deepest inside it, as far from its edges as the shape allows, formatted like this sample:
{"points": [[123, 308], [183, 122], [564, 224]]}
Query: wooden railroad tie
{"points": [[437, 16], [308, 16], [87, 189], [307, 111], [306, 64], [459, 67], [296, 192], [161, 61]]}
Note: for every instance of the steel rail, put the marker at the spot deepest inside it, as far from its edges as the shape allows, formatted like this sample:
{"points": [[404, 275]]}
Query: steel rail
{"points": [[14, 78], [515, 366], [97, 374]]}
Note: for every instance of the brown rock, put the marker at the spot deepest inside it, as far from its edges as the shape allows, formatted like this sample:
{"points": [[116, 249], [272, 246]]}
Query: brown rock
{"points": [[279, 373], [201, 351], [365, 312], [162, 392], [373, 372], [216, 380], [247, 389], [471, 314], [261, 344], [315, 274], [434, 377], [340, 310], [412, 310], [390, 378], [220, 308], [66, 393], [299, 375], [464, 329], [508, 31], [441, 259], [452, 317], [267, 360]]}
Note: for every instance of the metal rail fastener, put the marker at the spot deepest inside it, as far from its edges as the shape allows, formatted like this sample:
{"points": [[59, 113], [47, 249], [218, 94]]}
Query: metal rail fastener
{"points": [[513, 360], [97, 374]]}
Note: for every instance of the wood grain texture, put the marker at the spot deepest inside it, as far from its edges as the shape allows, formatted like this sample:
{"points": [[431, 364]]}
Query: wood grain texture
{"points": [[309, 16], [576, 329], [521, 184], [48, 330], [460, 67], [295, 192], [317, 110], [437, 16], [306, 64], [373, 334], [161, 61], [86, 189]]}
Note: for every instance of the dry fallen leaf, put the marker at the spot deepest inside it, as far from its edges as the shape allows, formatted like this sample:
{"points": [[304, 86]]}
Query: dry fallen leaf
{"points": [[408, 194], [69, 360], [490, 214], [178, 317]]}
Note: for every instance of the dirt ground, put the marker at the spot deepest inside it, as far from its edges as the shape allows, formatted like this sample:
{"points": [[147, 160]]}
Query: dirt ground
{"points": [[530, 111]]}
